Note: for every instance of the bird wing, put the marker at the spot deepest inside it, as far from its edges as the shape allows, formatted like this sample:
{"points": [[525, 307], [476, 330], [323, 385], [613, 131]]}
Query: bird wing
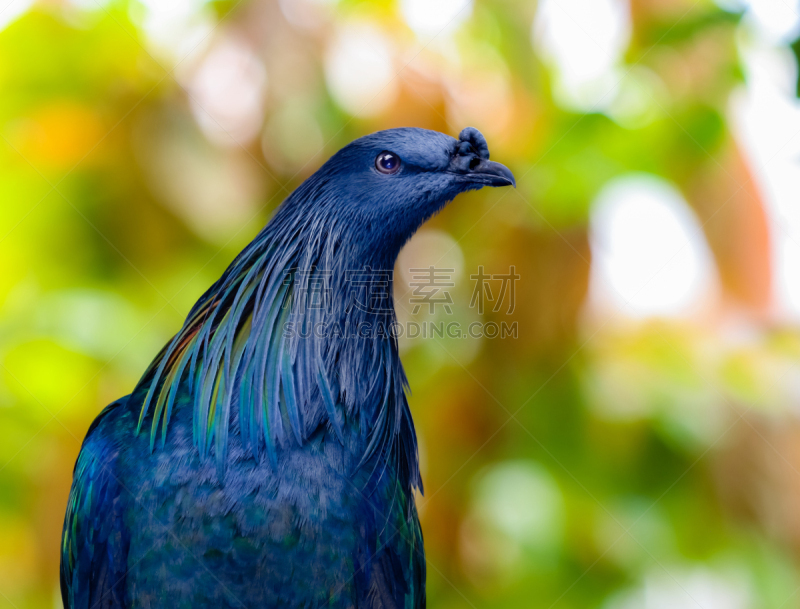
{"points": [[397, 574], [94, 544]]}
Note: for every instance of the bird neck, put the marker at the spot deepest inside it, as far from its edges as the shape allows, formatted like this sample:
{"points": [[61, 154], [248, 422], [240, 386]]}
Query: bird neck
{"points": [[295, 336]]}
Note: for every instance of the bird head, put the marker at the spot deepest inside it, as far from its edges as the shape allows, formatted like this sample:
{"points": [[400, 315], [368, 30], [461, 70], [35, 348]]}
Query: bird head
{"points": [[383, 186]]}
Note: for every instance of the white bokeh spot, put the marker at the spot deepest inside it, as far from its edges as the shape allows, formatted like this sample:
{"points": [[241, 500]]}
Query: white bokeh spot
{"points": [[227, 94], [583, 41], [766, 117], [429, 18], [649, 253], [359, 71], [12, 10]]}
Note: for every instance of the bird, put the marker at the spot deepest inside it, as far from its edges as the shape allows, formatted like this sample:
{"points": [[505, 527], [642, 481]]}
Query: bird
{"points": [[267, 457]]}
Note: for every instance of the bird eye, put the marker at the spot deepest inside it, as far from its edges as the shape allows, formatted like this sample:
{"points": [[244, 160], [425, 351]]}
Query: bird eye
{"points": [[387, 162]]}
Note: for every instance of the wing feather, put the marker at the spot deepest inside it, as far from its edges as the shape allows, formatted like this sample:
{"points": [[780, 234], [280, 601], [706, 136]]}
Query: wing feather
{"points": [[94, 545]]}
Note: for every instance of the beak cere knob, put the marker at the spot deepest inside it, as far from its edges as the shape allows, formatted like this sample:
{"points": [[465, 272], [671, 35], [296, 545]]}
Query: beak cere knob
{"points": [[471, 160], [473, 137]]}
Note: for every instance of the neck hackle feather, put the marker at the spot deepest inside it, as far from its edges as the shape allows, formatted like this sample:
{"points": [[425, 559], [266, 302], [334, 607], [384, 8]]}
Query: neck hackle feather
{"points": [[276, 341]]}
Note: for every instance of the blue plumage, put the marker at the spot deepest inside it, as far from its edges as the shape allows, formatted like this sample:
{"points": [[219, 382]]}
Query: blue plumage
{"points": [[267, 457]]}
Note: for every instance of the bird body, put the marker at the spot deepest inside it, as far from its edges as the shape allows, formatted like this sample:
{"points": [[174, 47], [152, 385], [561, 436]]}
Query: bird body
{"points": [[267, 457]]}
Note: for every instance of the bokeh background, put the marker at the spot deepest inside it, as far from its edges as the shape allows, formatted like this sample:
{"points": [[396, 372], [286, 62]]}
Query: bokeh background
{"points": [[637, 446]]}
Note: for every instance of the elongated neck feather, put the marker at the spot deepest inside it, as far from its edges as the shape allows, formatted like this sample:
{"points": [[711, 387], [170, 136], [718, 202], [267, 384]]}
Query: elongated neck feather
{"points": [[279, 340]]}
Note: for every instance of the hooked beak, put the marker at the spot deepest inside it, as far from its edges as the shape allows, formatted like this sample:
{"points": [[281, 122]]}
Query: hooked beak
{"points": [[490, 173]]}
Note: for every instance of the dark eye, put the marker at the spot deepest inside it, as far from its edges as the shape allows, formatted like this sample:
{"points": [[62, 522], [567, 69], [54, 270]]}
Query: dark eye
{"points": [[387, 162]]}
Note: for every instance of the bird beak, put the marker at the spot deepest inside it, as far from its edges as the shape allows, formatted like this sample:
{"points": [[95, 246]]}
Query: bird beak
{"points": [[490, 173]]}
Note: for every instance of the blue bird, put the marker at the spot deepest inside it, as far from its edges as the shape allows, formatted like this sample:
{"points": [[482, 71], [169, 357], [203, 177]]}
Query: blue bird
{"points": [[267, 457]]}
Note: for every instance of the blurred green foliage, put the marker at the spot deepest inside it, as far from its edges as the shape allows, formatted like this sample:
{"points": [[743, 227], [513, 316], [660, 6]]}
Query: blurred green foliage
{"points": [[583, 464]]}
